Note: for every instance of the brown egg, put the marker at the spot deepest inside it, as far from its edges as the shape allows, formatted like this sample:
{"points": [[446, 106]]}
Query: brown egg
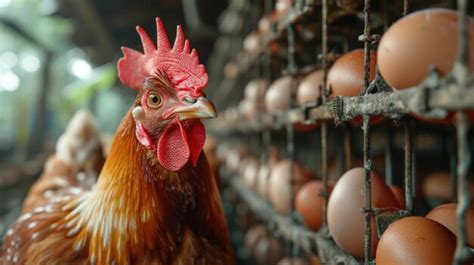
{"points": [[283, 5], [310, 205], [253, 235], [231, 70], [307, 92], [446, 215], [280, 184], [268, 250], [308, 89], [281, 9], [231, 115], [265, 23], [314, 260], [423, 38], [243, 163], [263, 183], [345, 220], [255, 90], [416, 240], [249, 109], [250, 174], [437, 185], [234, 157], [252, 42], [399, 195], [346, 76], [278, 96], [292, 261]]}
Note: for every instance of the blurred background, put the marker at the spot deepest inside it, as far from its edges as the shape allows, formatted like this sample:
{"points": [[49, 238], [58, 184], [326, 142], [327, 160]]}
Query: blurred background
{"points": [[57, 56]]}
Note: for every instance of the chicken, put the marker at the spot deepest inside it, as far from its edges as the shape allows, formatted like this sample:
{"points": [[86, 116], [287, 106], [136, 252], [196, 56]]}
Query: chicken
{"points": [[155, 200], [74, 166]]}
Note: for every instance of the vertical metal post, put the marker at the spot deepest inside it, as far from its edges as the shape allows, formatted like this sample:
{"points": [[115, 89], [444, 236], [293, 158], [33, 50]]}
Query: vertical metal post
{"points": [[323, 94], [291, 48], [462, 35], [464, 198], [451, 147], [462, 126], [367, 189], [366, 128], [408, 138], [290, 147], [405, 7], [324, 167], [267, 139], [388, 156]]}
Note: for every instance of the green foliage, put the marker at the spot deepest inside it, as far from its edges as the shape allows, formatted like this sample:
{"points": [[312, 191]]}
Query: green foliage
{"points": [[80, 91]]}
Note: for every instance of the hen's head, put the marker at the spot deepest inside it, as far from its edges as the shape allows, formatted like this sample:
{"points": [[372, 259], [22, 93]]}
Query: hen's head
{"points": [[170, 101]]}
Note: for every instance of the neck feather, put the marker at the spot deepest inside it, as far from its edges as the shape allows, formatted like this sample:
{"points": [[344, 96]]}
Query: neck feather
{"points": [[126, 211]]}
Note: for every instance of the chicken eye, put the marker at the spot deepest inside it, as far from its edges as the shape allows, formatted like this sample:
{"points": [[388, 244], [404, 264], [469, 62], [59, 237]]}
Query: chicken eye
{"points": [[153, 101]]}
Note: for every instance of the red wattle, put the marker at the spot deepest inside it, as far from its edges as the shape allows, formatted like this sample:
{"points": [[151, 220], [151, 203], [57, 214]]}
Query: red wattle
{"points": [[177, 145], [197, 136]]}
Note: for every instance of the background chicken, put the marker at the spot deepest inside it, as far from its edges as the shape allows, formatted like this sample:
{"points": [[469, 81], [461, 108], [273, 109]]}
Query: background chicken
{"points": [[74, 166], [155, 201]]}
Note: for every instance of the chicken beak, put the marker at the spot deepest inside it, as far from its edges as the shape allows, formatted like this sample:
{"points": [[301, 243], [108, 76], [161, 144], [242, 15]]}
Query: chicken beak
{"points": [[201, 109]]}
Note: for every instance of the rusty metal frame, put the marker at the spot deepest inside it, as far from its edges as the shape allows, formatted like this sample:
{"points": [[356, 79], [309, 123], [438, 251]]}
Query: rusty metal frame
{"points": [[433, 98]]}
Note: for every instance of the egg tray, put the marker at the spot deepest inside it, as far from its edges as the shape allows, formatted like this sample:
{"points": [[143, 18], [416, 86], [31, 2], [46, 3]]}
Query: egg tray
{"points": [[433, 99]]}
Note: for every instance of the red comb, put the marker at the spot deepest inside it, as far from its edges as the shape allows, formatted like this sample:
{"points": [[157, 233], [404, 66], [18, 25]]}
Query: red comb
{"points": [[179, 63]]}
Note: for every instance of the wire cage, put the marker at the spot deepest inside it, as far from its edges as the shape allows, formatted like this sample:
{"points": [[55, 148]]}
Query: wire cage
{"points": [[453, 92]]}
